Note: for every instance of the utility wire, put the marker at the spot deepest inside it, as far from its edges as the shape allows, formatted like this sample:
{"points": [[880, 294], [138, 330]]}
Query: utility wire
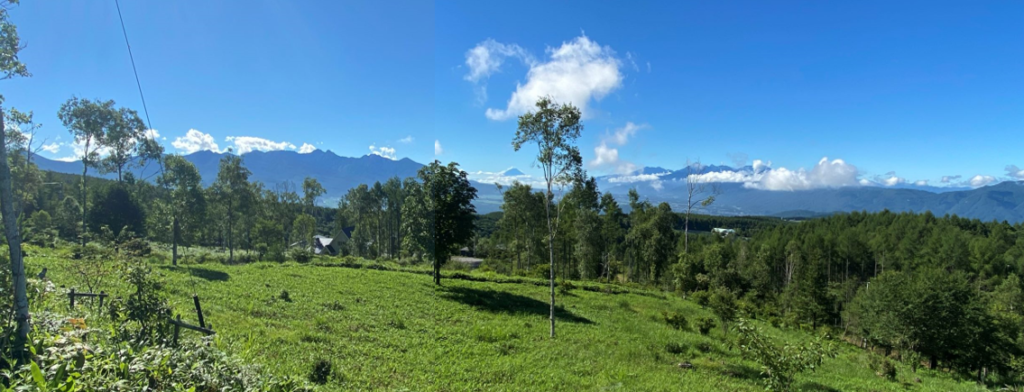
{"points": [[149, 123], [137, 82]]}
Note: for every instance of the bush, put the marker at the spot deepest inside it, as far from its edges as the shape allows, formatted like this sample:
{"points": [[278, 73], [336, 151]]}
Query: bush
{"points": [[300, 255], [701, 298], [321, 372], [675, 348], [284, 296], [887, 369], [675, 320], [780, 364], [136, 247], [704, 325]]}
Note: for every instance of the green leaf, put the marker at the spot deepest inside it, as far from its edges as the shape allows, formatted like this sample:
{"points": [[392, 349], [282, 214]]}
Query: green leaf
{"points": [[37, 375]]}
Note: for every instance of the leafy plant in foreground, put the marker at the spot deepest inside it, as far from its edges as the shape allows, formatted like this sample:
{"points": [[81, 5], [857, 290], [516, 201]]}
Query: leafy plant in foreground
{"points": [[780, 364]]}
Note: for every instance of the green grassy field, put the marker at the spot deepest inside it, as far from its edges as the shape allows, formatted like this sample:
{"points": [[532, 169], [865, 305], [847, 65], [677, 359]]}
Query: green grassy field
{"points": [[387, 330]]}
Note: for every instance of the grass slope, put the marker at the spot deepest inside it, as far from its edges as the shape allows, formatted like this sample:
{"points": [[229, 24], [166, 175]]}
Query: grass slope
{"points": [[386, 330]]}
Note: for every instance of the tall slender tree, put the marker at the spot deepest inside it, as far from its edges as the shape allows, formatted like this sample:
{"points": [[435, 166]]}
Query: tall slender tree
{"points": [[233, 192], [88, 122], [554, 128], [187, 203], [11, 66]]}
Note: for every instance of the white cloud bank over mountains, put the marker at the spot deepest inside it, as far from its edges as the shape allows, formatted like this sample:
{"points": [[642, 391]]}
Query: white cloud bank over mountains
{"points": [[195, 140], [577, 72], [607, 158]]}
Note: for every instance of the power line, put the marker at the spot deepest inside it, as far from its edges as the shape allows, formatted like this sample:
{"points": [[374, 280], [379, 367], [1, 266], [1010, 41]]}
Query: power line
{"points": [[137, 82]]}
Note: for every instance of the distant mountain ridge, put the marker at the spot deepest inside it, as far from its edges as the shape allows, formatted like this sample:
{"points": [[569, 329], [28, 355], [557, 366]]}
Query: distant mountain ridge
{"points": [[1004, 201]]}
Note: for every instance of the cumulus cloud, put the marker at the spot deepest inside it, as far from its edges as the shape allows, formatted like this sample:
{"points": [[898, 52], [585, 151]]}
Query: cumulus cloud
{"points": [[1015, 172], [306, 148], [607, 157], [486, 58], [386, 152], [949, 179], [247, 144], [437, 148], [577, 72], [152, 134], [890, 179], [195, 140], [406, 140], [826, 174], [51, 148], [921, 182], [981, 180]]}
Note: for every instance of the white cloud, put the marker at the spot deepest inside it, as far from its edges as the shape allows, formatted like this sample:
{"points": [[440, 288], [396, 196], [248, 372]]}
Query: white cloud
{"points": [[487, 57], [485, 177], [577, 72], [51, 148], [826, 174], [386, 152], [195, 140], [921, 182], [306, 148], [606, 157], [152, 134], [949, 179], [891, 179], [629, 56], [1015, 172], [406, 140], [437, 148], [247, 144], [980, 180], [653, 178]]}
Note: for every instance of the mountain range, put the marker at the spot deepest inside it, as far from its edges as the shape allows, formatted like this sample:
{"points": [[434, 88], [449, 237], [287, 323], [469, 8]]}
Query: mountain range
{"points": [[1003, 201]]}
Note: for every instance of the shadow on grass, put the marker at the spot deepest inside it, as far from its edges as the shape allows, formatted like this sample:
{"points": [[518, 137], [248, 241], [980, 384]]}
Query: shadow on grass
{"points": [[813, 386], [200, 272], [504, 302], [742, 371]]}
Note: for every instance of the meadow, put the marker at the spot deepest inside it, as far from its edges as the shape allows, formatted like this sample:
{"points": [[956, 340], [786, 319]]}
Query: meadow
{"points": [[387, 327]]}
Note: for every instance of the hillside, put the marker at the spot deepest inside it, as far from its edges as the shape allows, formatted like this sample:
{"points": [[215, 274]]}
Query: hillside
{"points": [[385, 330]]}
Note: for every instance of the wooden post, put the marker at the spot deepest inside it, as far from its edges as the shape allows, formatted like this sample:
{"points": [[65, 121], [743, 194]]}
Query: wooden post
{"points": [[199, 310], [102, 295], [71, 296], [177, 330]]}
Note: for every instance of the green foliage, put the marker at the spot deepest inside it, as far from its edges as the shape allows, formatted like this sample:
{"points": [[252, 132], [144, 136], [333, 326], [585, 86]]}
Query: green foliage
{"points": [[141, 316], [115, 208], [702, 298], [675, 320], [781, 364], [320, 372], [705, 324], [723, 304]]}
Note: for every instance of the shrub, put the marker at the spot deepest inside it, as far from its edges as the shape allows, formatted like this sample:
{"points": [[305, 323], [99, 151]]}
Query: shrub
{"points": [[887, 369], [704, 325], [275, 253], [320, 372], [700, 297], [300, 255], [780, 364], [136, 247], [675, 320], [284, 296], [675, 348]]}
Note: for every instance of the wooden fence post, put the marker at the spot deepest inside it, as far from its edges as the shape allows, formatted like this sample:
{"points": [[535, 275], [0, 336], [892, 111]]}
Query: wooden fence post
{"points": [[102, 295], [199, 310], [71, 296]]}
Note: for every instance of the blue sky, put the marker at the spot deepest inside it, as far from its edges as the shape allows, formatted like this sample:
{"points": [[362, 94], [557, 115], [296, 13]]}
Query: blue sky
{"points": [[902, 91]]}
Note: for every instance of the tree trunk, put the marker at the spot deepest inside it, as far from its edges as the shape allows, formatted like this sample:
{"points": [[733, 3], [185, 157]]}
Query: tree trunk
{"points": [[85, 194], [231, 236], [686, 233], [21, 315], [551, 254], [175, 232]]}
